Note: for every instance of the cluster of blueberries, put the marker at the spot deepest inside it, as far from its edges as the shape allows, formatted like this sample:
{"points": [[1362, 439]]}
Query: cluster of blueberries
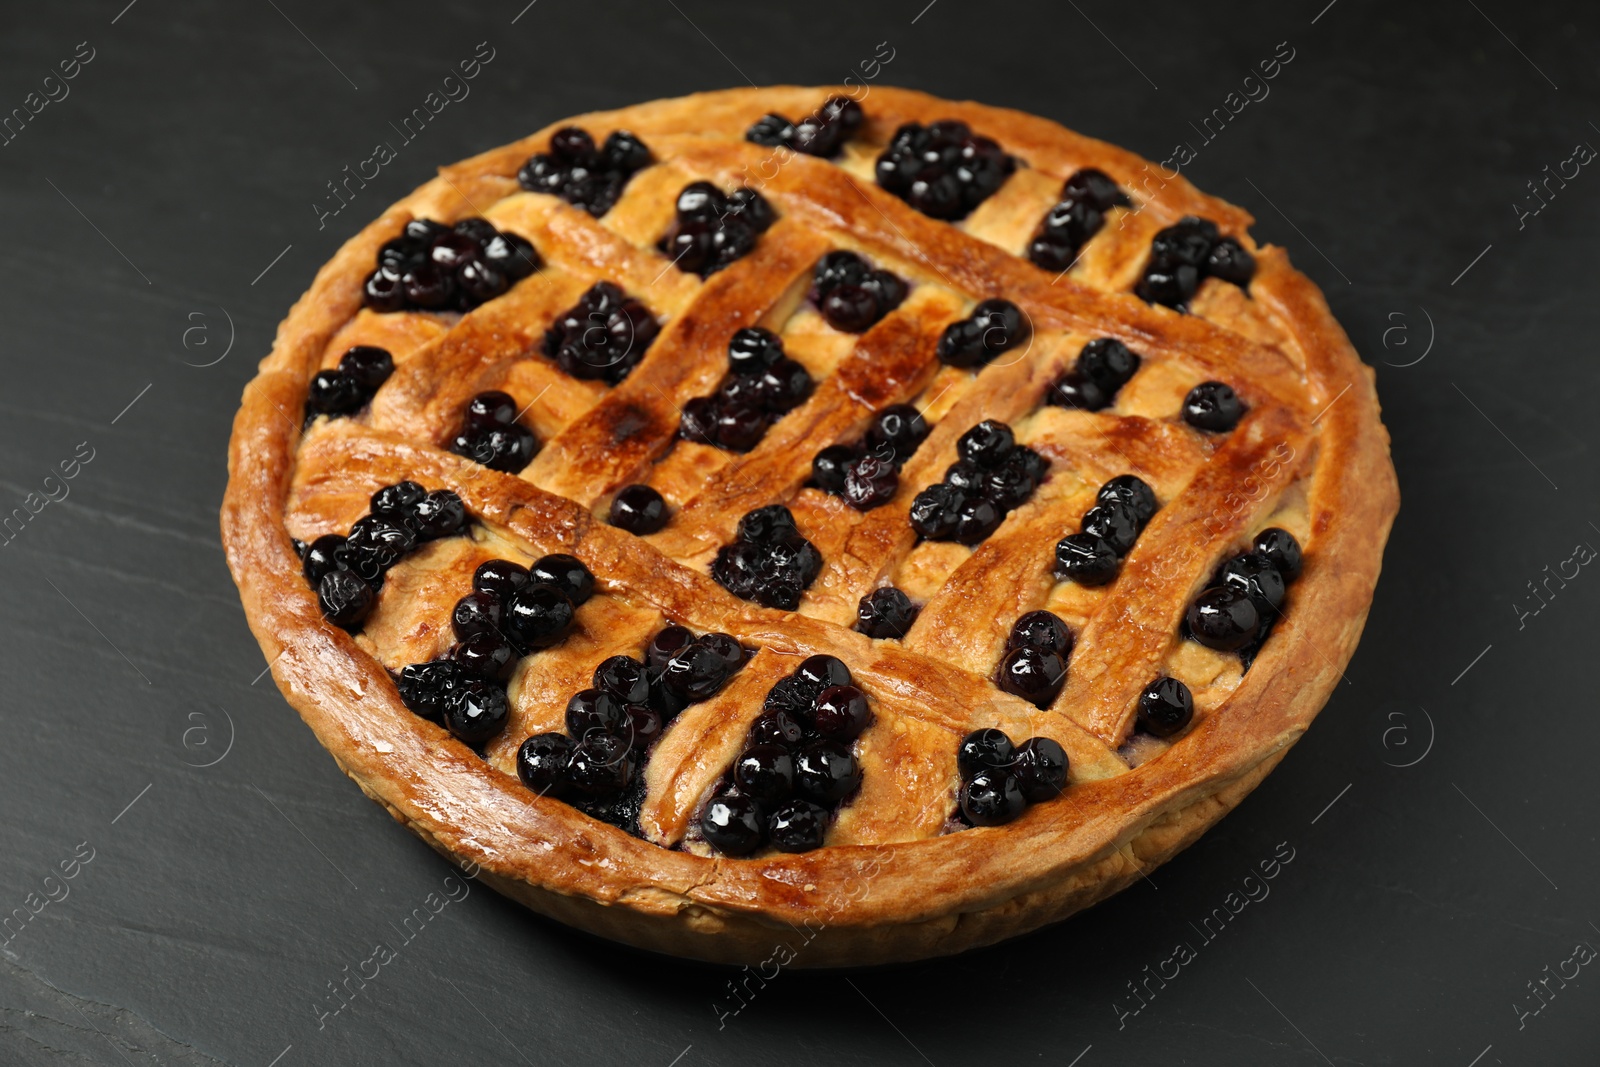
{"points": [[886, 612], [761, 386], [866, 473], [820, 133], [1034, 666], [770, 562], [1165, 707], [596, 764], [348, 571], [581, 174], [1213, 407], [711, 228], [603, 336], [434, 267], [943, 169], [491, 435], [797, 766], [1245, 597], [993, 475], [638, 509], [993, 327], [1085, 199], [1000, 779], [1187, 252], [349, 387], [1103, 366], [851, 294], [1093, 556], [512, 610]]}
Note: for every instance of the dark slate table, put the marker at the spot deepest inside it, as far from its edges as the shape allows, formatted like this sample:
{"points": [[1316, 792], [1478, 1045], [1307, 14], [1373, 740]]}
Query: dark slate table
{"points": [[194, 873]]}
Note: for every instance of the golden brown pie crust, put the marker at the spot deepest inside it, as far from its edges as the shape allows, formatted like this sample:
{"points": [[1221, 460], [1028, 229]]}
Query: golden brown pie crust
{"points": [[1311, 454]]}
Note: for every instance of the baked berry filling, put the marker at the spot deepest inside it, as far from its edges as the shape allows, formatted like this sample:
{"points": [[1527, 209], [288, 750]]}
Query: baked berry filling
{"points": [[993, 475], [347, 571], [581, 174], [603, 336], [491, 435], [1000, 779], [597, 764], [1186, 253], [797, 767], [993, 327], [761, 386], [850, 294], [1246, 596], [1107, 531], [434, 267], [1080, 214], [821, 133], [1165, 707], [866, 473], [712, 229], [943, 169], [1103, 366], [346, 389], [638, 509], [885, 613], [1213, 407], [770, 562], [1034, 666]]}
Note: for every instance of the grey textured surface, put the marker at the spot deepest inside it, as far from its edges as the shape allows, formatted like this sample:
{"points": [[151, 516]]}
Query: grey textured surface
{"points": [[158, 221]]}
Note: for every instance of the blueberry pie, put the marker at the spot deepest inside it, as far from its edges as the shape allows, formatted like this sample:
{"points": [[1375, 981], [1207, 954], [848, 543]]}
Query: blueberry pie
{"points": [[903, 519]]}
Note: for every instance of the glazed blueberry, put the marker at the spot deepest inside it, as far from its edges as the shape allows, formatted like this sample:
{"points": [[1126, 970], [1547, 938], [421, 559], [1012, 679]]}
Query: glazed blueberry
{"points": [[885, 612], [1008, 485], [984, 749], [1072, 222], [695, 672], [1132, 492], [1255, 574], [595, 711], [841, 713], [966, 476], [1165, 707], [511, 254], [1223, 618], [770, 130], [850, 295], [499, 578], [835, 269], [425, 688], [1043, 630], [638, 509], [843, 110], [698, 422], [1032, 674], [992, 798], [826, 772], [333, 392], [665, 645], [1085, 559], [644, 726], [1040, 769], [765, 772], [942, 169], [476, 613], [322, 556], [977, 519], [476, 711], [870, 482], [602, 765], [398, 501], [440, 514], [1281, 548], [936, 512], [1229, 261], [725, 648], [537, 616], [624, 678], [798, 826], [820, 672], [849, 308], [1096, 187], [504, 448], [993, 327], [487, 655], [987, 444], [732, 824], [603, 336], [1212, 406], [582, 175], [712, 230], [768, 524], [776, 727], [785, 384], [542, 763], [567, 574], [793, 697], [1073, 390], [1053, 251], [1114, 523], [753, 350], [829, 466], [368, 366], [491, 409], [1108, 363], [897, 430], [375, 544]]}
